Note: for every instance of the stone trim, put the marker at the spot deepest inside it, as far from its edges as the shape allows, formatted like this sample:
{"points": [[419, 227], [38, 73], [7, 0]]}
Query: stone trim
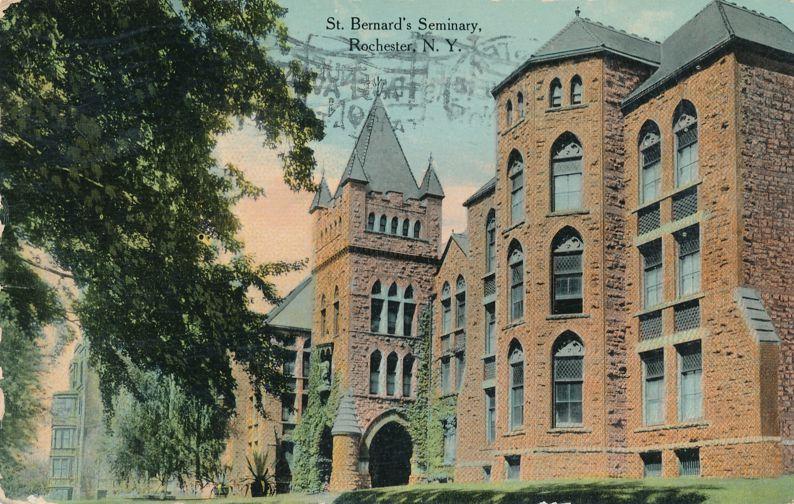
{"points": [[668, 194], [367, 251], [566, 316], [673, 339], [689, 425], [668, 304], [671, 227], [567, 213]]}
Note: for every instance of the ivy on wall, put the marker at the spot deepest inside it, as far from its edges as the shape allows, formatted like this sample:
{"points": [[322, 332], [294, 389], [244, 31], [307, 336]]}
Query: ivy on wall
{"points": [[427, 414], [311, 468]]}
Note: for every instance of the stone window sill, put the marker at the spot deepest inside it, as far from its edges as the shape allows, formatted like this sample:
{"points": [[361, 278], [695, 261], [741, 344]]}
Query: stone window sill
{"points": [[515, 433], [566, 316], [569, 430], [565, 213], [668, 304], [514, 226], [511, 325], [676, 426], [370, 231], [668, 194], [512, 126], [566, 107]]}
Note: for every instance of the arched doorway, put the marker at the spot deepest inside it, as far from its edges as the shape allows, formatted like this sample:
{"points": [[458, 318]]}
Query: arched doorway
{"points": [[390, 455]]}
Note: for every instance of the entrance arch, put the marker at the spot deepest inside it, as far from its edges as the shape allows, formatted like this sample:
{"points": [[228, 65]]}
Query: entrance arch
{"points": [[388, 448]]}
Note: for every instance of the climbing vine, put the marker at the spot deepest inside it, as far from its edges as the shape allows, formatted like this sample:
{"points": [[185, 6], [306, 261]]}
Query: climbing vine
{"points": [[311, 467], [427, 414]]}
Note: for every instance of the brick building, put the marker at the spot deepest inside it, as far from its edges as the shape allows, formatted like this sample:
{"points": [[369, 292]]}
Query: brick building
{"points": [[621, 302]]}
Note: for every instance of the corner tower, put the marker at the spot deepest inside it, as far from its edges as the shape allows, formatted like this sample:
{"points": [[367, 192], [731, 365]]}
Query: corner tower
{"points": [[376, 243]]}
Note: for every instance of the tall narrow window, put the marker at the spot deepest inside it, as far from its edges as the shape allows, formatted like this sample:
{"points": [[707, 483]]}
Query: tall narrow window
{"points": [[653, 391], [374, 373], [685, 128], [393, 309], [650, 162], [460, 369], [391, 374], [576, 90], [450, 441], [371, 222], [566, 170], [516, 279], [490, 329], [568, 379], [376, 308], [555, 94], [409, 307], [520, 99], [509, 113], [417, 229], [652, 273], [445, 382], [460, 302], [408, 375], [688, 261], [490, 415], [336, 311], [567, 251], [516, 174], [382, 224], [406, 225], [490, 242], [446, 309], [395, 223], [516, 361], [322, 316], [690, 364]]}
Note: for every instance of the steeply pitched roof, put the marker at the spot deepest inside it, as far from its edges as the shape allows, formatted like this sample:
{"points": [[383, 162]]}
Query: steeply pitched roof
{"points": [[462, 241], [755, 315], [322, 198], [295, 311], [346, 421], [485, 190], [431, 186], [583, 36], [709, 31], [378, 158]]}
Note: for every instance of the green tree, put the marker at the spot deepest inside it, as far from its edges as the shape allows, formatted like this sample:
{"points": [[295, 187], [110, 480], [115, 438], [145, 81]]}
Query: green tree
{"points": [[110, 115], [165, 435]]}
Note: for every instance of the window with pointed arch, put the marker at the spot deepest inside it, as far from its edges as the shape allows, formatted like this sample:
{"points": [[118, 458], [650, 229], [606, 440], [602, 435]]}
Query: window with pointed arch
{"points": [[515, 173], [509, 113], [322, 316], [568, 379], [336, 312], [409, 308], [460, 303], [520, 100], [376, 307], [374, 372], [515, 261], [393, 309], [417, 229], [650, 148], [391, 374], [382, 224], [446, 309], [566, 173], [516, 380], [685, 127], [408, 375], [406, 225], [555, 94], [576, 90], [490, 242], [567, 250], [371, 221], [395, 223]]}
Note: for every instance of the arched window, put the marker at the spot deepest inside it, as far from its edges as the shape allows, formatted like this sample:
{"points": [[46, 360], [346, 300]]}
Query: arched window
{"points": [[685, 127], [322, 316], [520, 99], [336, 311], [395, 223], [446, 309], [409, 307], [417, 229], [408, 375], [566, 169], [391, 374], [490, 242], [460, 302], [567, 248], [576, 90], [509, 112], [382, 226], [515, 172], [376, 308], [374, 373], [650, 148], [555, 94], [516, 281], [371, 221], [516, 362], [393, 309], [406, 225], [568, 378]]}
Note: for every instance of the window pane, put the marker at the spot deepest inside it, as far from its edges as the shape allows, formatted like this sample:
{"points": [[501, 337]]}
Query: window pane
{"points": [[408, 318], [376, 309]]}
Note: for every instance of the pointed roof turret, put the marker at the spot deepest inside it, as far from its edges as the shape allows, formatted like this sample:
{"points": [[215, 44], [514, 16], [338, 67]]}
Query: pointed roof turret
{"points": [[378, 159], [322, 198], [346, 421], [431, 186]]}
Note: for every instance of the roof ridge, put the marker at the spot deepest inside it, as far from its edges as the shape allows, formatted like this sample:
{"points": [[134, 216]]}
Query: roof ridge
{"points": [[747, 9], [726, 22], [620, 31]]}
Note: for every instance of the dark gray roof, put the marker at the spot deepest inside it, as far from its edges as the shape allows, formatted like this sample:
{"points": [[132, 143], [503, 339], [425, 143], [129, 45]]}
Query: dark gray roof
{"points": [[346, 421], [322, 198], [482, 192], [431, 186], [296, 310], [378, 158], [755, 315], [463, 241], [709, 31], [583, 36]]}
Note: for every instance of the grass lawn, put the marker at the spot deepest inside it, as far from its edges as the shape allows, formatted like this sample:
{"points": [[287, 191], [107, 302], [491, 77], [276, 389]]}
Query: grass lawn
{"points": [[650, 491]]}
